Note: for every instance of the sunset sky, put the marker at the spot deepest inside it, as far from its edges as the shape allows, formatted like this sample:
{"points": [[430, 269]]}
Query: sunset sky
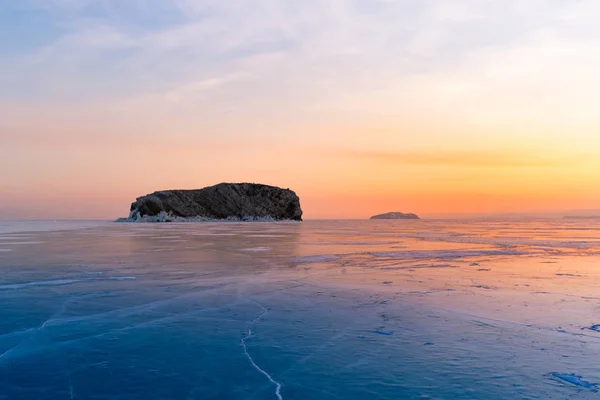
{"points": [[438, 107]]}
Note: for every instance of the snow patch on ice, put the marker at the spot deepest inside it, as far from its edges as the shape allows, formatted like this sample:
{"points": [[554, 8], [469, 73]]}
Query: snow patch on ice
{"points": [[257, 249], [22, 243], [119, 278]]}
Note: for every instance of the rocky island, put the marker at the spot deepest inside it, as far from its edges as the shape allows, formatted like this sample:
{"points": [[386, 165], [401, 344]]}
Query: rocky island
{"points": [[395, 215], [225, 201]]}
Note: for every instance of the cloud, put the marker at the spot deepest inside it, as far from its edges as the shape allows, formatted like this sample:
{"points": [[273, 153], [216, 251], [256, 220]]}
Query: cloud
{"points": [[340, 58], [193, 89], [492, 68]]}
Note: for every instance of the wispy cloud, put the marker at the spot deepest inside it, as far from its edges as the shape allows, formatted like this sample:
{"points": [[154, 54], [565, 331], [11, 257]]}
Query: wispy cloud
{"points": [[80, 78], [192, 89]]}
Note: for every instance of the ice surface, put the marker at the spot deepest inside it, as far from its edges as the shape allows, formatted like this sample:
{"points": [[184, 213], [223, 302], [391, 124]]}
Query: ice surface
{"points": [[446, 253], [255, 249], [21, 243], [247, 337], [314, 259], [58, 282], [312, 310], [595, 328], [574, 379]]}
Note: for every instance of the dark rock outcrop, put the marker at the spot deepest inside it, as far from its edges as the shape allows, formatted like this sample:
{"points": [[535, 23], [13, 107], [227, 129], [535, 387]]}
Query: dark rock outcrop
{"points": [[225, 201], [395, 215]]}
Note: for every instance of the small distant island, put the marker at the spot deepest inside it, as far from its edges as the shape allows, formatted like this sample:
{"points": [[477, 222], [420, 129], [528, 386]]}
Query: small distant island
{"points": [[225, 201], [395, 215]]}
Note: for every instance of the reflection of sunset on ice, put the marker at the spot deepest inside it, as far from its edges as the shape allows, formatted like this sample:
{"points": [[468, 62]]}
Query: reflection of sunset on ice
{"points": [[453, 309]]}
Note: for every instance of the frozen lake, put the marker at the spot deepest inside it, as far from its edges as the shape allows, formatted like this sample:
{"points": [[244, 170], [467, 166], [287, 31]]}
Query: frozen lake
{"points": [[311, 310]]}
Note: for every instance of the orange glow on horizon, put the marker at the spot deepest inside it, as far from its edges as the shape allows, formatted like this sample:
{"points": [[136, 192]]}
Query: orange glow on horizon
{"points": [[330, 185]]}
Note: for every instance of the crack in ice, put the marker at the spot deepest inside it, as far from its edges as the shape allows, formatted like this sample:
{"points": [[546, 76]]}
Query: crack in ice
{"points": [[71, 389], [259, 369], [6, 352]]}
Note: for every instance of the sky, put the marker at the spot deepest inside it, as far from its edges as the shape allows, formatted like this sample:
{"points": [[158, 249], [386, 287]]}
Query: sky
{"points": [[438, 107]]}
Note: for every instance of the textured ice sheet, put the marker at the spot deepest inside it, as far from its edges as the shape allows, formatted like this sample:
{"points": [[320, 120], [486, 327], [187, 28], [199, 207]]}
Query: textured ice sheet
{"points": [[506, 241], [257, 249], [575, 380], [446, 254], [213, 317], [314, 259], [59, 282]]}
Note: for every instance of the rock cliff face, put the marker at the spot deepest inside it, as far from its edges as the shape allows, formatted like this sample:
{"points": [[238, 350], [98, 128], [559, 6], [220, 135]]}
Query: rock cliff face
{"points": [[395, 215], [225, 201]]}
